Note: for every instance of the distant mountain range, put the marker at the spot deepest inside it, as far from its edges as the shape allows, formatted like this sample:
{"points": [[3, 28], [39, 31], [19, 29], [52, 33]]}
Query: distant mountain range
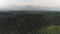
{"points": [[29, 7]]}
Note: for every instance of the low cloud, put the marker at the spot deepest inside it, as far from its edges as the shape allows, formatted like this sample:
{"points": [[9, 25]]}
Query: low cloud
{"points": [[41, 3]]}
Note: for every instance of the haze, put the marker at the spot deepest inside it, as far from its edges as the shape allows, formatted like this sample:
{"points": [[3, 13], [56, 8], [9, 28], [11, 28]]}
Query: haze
{"points": [[35, 3]]}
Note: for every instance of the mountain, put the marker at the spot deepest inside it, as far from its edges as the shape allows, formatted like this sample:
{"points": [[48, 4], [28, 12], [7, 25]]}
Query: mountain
{"points": [[28, 7]]}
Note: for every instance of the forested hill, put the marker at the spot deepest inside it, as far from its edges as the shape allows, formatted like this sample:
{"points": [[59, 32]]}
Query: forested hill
{"points": [[11, 12], [26, 21]]}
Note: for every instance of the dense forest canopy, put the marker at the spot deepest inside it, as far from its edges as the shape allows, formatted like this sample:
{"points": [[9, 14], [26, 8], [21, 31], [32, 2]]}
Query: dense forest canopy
{"points": [[23, 21]]}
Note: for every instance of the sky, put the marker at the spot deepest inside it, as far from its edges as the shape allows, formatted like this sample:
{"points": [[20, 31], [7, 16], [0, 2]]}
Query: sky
{"points": [[38, 3]]}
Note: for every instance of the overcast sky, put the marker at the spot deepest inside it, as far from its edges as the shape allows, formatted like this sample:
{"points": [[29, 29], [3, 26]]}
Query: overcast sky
{"points": [[43, 3]]}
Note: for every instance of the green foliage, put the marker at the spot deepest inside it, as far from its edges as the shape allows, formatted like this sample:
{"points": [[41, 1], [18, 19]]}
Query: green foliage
{"points": [[31, 23], [52, 29]]}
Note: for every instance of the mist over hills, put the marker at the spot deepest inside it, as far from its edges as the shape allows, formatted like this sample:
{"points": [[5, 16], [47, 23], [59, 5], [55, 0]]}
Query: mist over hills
{"points": [[28, 7]]}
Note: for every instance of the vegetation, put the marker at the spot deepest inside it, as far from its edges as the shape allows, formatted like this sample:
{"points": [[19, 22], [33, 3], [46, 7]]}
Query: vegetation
{"points": [[32, 23]]}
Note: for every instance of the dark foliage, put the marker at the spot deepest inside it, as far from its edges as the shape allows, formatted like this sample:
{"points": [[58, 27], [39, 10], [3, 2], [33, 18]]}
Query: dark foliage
{"points": [[14, 21]]}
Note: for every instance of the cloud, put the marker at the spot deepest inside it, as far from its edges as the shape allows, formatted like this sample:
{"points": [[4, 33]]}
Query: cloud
{"points": [[46, 3], [43, 3], [11, 3]]}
